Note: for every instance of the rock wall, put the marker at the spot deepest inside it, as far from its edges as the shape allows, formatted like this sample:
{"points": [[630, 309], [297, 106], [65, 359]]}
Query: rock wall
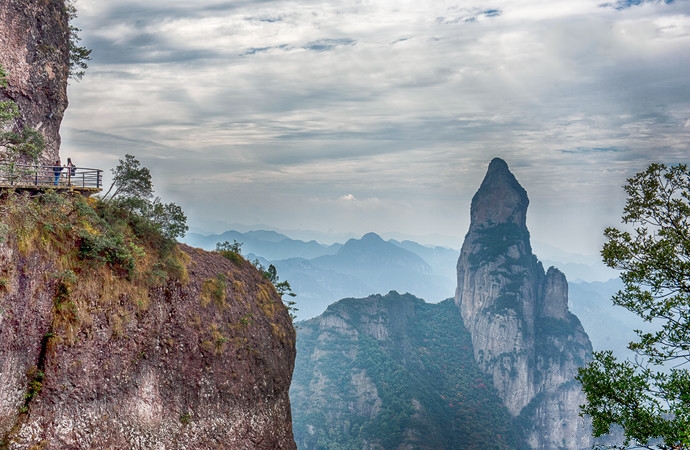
{"points": [[523, 335], [394, 372], [154, 369], [34, 50]]}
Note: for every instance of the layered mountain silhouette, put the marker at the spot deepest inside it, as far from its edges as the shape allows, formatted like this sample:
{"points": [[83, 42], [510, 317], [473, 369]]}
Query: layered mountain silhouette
{"points": [[361, 267], [270, 245], [321, 275], [608, 326]]}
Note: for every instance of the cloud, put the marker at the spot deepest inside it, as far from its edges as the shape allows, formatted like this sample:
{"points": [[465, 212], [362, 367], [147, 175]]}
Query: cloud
{"points": [[470, 16], [623, 4], [276, 104], [593, 150], [323, 45]]}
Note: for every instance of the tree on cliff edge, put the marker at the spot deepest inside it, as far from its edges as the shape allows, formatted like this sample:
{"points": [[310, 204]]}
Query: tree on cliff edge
{"points": [[132, 190], [649, 397]]}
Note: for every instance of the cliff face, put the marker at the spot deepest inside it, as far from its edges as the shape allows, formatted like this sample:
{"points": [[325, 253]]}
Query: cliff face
{"points": [[34, 50], [523, 335], [394, 372], [92, 359]]}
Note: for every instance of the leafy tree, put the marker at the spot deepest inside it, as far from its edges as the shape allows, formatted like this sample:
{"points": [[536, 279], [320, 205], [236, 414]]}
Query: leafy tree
{"points": [[130, 180], [650, 396], [282, 287], [168, 217], [132, 190], [235, 247], [78, 55], [230, 251], [233, 253]]}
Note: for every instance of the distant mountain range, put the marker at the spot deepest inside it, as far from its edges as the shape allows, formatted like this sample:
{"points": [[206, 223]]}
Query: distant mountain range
{"points": [[609, 327], [323, 274], [269, 245], [494, 367]]}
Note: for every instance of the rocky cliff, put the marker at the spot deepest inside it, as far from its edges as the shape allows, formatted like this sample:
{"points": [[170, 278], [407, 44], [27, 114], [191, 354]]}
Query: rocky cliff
{"points": [[523, 335], [394, 372], [107, 342], [34, 50]]}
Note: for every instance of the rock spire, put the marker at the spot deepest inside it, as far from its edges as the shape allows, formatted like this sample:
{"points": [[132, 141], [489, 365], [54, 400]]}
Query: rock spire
{"points": [[522, 332]]}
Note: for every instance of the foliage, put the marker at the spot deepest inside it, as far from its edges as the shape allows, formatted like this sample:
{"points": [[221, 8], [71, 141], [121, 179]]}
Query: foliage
{"points": [[131, 181], [28, 142], [91, 231], [99, 255], [8, 109], [233, 252], [78, 55], [649, 397], [214, 289], [230, 251], [132, 190], [282, 287], [495, 241], [168, 218]]}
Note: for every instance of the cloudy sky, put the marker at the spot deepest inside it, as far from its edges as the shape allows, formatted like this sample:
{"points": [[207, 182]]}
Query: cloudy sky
{"points": [[356, 116]]}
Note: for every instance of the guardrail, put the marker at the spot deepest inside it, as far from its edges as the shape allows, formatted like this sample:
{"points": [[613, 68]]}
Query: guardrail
{"points": [[24, 175]]}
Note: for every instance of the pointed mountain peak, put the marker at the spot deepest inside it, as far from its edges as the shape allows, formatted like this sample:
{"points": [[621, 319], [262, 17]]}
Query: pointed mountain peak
{"points": [[500, 198], [498, 165]]}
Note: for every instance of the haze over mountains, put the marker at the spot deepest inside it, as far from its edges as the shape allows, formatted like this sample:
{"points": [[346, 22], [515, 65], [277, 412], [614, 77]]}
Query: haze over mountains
{"points": [[373, 353], [321, 274], [391, 371], [492, 369]]}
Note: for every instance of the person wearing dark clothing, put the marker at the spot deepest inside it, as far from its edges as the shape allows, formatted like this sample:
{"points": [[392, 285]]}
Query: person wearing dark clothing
{"points": [[57, 170]]}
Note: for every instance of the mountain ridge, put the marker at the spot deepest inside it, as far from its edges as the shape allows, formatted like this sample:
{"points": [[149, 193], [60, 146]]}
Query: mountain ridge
{"points": [[392, 371]]}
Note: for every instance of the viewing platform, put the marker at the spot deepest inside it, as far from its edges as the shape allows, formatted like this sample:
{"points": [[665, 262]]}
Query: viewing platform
{"points": [[39, 178]]}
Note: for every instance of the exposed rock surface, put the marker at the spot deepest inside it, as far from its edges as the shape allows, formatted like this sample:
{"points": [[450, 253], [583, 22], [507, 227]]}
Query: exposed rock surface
{"points": [[523, 335], [155, 369], [34, 50], [394, 372]]}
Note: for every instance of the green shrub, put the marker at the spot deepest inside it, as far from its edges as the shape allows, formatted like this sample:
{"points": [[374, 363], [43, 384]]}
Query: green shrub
{"points": [[233, 251]]}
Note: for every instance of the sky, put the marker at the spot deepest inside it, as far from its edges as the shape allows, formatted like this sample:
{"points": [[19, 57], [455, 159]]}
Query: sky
{"points": [[358, 116]]}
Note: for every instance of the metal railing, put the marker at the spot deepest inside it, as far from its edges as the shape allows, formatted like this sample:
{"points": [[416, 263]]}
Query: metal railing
{"points": [[24, 175]]}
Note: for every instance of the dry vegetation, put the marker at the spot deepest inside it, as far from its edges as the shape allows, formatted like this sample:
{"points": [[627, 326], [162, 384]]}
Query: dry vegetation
{"points": [[123, 257]]}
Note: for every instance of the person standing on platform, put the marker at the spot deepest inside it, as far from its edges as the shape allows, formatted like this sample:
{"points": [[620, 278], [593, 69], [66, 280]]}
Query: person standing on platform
{"points": [[57, 170]]}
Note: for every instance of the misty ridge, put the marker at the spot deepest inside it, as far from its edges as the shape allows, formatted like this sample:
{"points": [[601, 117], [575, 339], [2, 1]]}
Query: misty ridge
{"points": [[322, 274]]}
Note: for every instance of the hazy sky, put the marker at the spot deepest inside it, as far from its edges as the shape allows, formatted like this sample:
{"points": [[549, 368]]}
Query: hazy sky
{"points": [[357, 116]]}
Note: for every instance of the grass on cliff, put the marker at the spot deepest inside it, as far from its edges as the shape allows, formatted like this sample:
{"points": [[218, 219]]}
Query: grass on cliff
{"points": [[101, 253]]}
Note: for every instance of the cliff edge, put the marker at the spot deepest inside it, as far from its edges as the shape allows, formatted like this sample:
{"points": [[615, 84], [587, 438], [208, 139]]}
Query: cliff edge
{"points": [[108, 342]]}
